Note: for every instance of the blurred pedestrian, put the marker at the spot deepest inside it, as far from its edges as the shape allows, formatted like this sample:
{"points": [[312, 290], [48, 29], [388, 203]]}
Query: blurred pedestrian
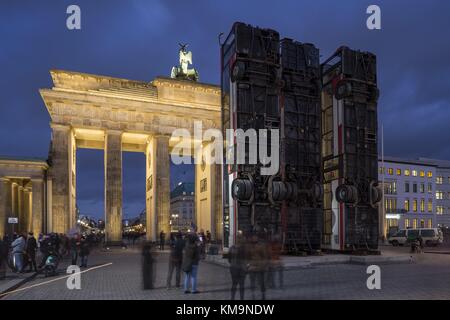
{"points": [[31, 252], [18, 250], [191, 258], [73, 248], [238, 267], [202, 243], [162, 239], [175, 260], [275, 263], [3, 257], [84, 252], [148, 260], [257, 264]]}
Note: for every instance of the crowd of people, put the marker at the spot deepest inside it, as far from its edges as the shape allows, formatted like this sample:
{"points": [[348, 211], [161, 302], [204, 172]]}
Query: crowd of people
{"points": [[23, 250], [253, 255]]}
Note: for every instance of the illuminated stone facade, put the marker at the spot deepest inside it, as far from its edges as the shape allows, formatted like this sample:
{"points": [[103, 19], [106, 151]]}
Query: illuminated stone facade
{"points": [[23, 192], [117, 115]]}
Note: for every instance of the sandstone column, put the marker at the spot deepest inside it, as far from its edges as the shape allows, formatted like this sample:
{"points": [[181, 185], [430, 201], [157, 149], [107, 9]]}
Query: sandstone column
{"points": [[158, 187], [37, 206], [205, 189], [113, 187], [5, 205], [61, 176], [20, 200], [15, 200], [26, 210]]}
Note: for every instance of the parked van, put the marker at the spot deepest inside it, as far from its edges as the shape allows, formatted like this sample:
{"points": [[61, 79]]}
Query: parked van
{"points": [[430, 236]]}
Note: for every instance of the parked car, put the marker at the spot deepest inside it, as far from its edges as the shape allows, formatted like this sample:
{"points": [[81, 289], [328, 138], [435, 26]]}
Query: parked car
{"points": [[430, 236]]}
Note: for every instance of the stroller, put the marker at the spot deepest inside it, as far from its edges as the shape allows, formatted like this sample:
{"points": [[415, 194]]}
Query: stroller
{"points": [[51, 264]]}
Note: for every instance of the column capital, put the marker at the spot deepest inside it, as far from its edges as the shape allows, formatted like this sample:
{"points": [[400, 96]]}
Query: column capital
{"points": [[59, 126], [113, 132]]}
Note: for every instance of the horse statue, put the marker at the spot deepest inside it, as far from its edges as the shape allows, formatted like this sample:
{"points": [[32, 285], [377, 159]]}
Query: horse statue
{"points": [[182, 71]]}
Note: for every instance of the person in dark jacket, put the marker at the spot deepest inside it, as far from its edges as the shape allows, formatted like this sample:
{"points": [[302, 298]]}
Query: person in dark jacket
{"points": [[148, 272], [73, 248], [84, 252], [258, 264], [31, 252], [238, 267], [175, 260], [162, 239], [190, 262], [3, 257]]}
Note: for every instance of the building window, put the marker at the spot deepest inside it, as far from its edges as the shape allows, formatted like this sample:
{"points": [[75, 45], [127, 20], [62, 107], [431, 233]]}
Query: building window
{"points": [[439, 209], [415, 187], [406, 205], [415, 205], [399, 172], [430, 223], [390, 187], [414, 173], [390, 171], [439, 180], [422, 188], [406, 186], [422, 205], [422, 173], [439, 195], [407, 172], [430, 188], [422, 223], [414, 223], [430, 174], [430, 205], [406, 223]]}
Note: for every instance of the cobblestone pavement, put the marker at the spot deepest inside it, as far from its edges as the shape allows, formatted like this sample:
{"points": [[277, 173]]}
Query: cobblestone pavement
{"points": [[428, 278]]}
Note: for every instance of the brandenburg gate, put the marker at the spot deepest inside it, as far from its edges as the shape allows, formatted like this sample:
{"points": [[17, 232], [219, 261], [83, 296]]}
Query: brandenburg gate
{"points": [[119, 115]]}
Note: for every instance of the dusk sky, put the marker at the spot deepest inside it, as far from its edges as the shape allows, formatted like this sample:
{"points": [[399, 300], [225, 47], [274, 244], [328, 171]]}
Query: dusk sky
{"points": [[139, 40]]}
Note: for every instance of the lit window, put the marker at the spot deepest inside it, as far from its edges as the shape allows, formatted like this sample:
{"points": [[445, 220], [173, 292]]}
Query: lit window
{"points": [[422, 173], [406, 223], [439, 180], [422, 188], [422, 223], [439, 195], [415, 205], [414, 173], [439, 210], [380, 170], [430, 188], [422, 205], [390, 171], [430, 223], [415, 223], [406, 172], [430, 205], [406, 205], [430, 174], [399, 172]]}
